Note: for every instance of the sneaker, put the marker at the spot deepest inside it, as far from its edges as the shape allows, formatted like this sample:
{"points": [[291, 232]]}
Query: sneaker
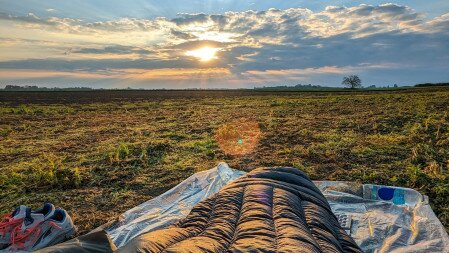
{"points": [[37, 232], [10, 221]]}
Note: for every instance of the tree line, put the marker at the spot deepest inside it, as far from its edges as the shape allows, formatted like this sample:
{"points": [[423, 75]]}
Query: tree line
{"points": [[37, 88]]}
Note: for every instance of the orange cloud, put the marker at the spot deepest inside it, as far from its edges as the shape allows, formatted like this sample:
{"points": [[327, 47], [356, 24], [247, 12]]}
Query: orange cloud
{"points": [[138, 74], [176, 74], [26, 73]]}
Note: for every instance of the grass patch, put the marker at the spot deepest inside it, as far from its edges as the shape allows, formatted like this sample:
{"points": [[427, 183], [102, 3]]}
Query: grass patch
{"points": [[109, 155]]}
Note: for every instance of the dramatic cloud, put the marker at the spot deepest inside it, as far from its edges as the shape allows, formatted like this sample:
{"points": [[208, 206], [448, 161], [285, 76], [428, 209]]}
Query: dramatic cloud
{"points": [[384, 44]]}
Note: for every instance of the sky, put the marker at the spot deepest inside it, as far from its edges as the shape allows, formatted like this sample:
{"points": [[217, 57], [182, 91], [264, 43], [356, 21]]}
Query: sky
{"points": [[222, 43]]}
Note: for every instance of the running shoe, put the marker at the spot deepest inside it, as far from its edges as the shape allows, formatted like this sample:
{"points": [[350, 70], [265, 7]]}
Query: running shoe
{"points": [[37, 232], [10, 221]]}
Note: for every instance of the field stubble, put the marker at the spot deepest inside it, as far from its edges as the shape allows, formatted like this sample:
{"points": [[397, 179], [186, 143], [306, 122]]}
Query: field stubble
{"points": [[101, 157]]}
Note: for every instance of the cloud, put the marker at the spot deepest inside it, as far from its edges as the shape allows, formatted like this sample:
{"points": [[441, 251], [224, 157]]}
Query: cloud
{"points": [[182, 35], [362, 20], [142, 74], [114, 49], [188, 19], [29, 18], [94, 65], [298, 74], [438, 25]]}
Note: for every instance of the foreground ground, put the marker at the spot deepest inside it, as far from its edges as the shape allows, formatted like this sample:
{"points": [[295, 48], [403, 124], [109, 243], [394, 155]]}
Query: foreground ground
{"points": [[98, 154]]}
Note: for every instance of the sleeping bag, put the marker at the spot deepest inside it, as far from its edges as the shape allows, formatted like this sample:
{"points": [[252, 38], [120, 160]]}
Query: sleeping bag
{"points": [[266, 210]]}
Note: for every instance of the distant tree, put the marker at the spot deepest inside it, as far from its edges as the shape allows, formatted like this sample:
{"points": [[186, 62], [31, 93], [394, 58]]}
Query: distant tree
{"points": [[12, 87], [352, 81]]}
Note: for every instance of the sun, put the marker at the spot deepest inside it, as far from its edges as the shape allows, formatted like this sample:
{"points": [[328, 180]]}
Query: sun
{"points": [[204, 53]]}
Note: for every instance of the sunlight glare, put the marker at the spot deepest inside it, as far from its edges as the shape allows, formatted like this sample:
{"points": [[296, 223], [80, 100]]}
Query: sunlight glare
{"points": [[204, 53]]}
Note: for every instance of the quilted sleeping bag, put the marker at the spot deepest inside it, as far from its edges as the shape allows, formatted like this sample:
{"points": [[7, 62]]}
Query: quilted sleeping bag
{"points": [[267, 210]]}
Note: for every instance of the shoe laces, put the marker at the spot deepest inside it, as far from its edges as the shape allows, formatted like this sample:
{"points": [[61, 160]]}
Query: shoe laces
{"points": [[8, 223], [19, 238]]}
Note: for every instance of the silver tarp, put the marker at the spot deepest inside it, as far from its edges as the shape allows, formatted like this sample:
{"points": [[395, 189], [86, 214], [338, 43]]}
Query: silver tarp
{"points": [[172, 205], [385, 218], [379, 218]]}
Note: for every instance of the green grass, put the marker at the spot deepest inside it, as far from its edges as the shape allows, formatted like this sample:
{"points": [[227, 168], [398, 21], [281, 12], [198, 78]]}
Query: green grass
{"points": [[107, 157]]}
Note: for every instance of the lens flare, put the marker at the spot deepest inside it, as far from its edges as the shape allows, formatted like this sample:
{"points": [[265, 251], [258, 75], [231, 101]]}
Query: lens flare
{"points": [[240, 137]]}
